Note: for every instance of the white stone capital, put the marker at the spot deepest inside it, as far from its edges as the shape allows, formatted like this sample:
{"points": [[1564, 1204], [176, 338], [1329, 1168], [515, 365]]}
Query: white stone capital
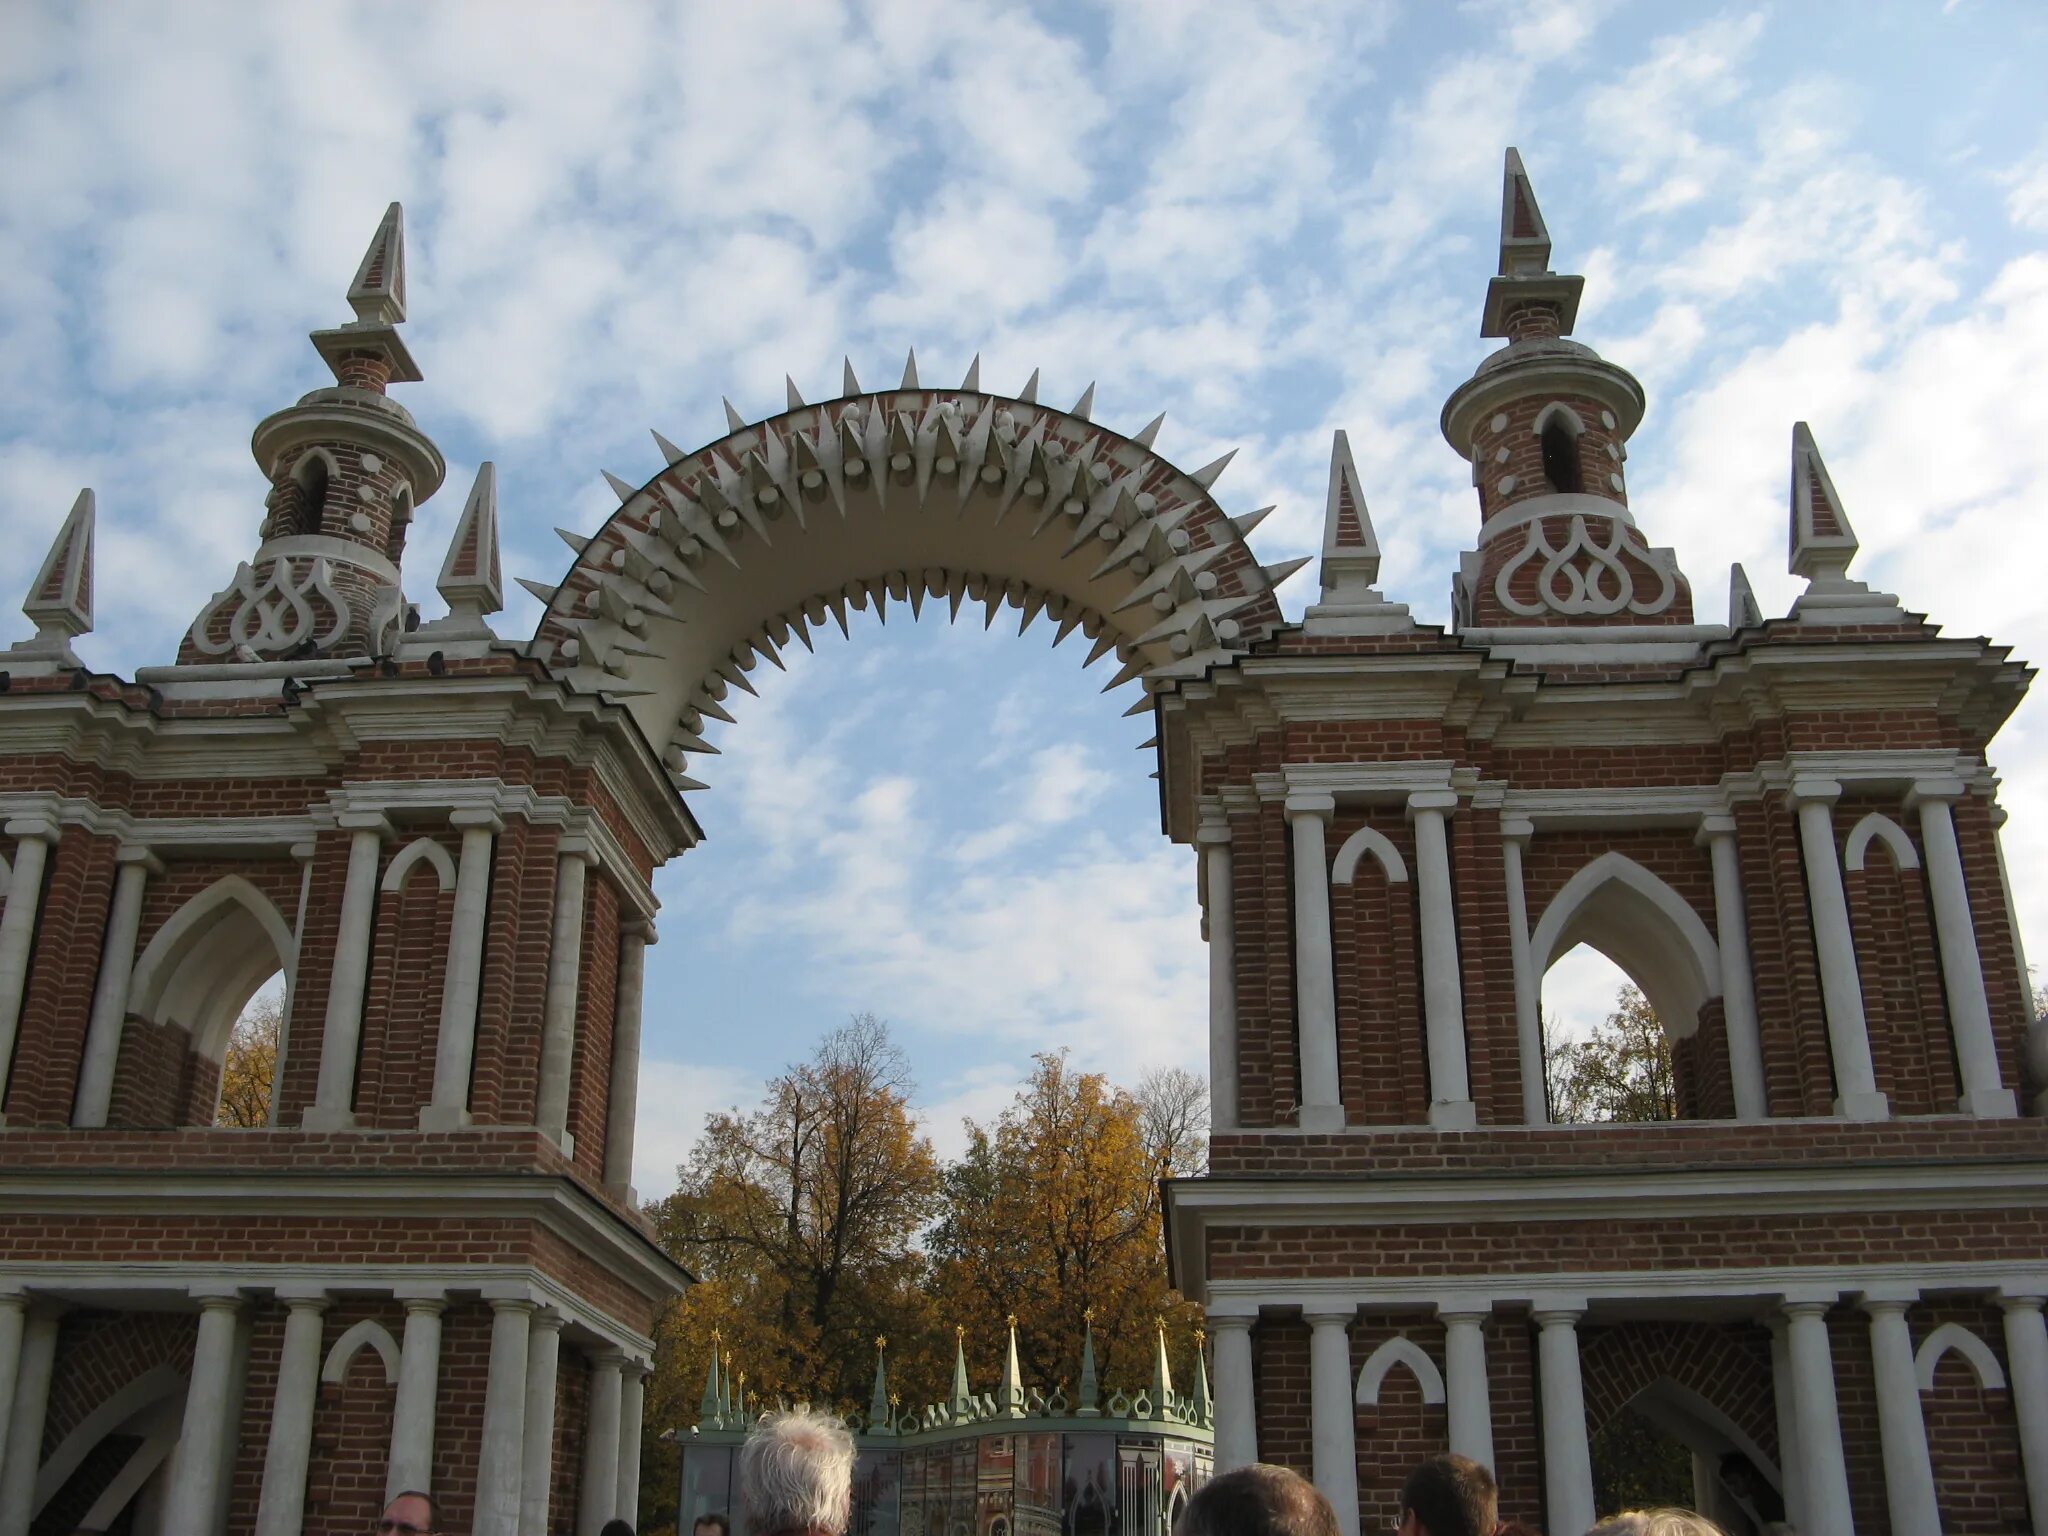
{"points": [[1812, 792], [139, 853], [365, 821], [1444, 800], [1944, 788], [476, 816], [1517, 829], [1716, 824], [1309, 802]]}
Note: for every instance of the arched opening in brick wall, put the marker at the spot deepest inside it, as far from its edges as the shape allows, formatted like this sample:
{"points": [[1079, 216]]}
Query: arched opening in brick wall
{"points": [[193, 985], [115, 1413]]}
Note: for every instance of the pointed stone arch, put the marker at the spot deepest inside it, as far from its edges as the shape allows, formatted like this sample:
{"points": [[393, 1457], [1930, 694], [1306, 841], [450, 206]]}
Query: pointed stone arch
{"points": [[1701, 1426], [1368, 840], [367, 1334], [400, 867], [1878, 827], [1404, 1351], [1954, 1336], [203, 965], [150, 1407], [1644, 926], [903, 496]]}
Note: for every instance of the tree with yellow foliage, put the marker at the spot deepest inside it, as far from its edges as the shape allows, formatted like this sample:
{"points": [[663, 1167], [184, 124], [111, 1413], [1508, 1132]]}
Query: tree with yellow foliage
{"points": [[246, 1072]]}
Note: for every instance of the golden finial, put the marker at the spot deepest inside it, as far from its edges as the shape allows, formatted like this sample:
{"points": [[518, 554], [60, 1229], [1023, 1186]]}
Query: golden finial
{"points": [[959, 1333], [1201, 1335], [894, 1399], [1013, 1320], [1160, 1322], [881, 1341], [1087, 1314], [716, 1338], [743, 1378]]}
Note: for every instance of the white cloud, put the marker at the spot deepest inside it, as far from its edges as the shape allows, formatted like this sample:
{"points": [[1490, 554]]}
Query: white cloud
{"points": [[675, 1098]]}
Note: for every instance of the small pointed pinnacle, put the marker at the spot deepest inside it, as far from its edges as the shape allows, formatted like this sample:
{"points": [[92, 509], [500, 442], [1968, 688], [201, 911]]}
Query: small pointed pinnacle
{"points": [[1150, 431], [1743, 610], [733, 419], [576, 541], [1821, 538], [625, 492], [1524, 238], [668, 449], [1245, 523], [795, 395], [1279, 571], [1209, 473], [848, 384], [1085, 406], [1029, 393], [60, 598], [378, 292], [539, 589], [910, 370], [972, 383]]}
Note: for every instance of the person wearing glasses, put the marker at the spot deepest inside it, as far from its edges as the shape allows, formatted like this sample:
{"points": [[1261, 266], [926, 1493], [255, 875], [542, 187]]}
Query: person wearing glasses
{"points": [[796, 1475], [412, 1513]]}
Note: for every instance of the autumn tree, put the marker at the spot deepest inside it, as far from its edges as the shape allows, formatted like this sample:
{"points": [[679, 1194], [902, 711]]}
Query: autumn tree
{"points": [[1053, 1215], [1620, 1071], [247, 1070]]}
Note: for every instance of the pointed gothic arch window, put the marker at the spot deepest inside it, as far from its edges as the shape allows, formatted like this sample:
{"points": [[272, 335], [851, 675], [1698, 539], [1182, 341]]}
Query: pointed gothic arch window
{"points": [[312, 476], [1559, 438]]}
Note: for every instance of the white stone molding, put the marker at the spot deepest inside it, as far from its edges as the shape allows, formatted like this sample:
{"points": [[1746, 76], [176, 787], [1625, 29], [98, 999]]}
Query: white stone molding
{"points": [[558, 1008], [1901, 1428], [1840, 981], [1738, 984], [623, 1098], [28, 1407], [198, 1472], [1357, 783], [598, 1487], [455, 1042], [281, 1507], [411, 1463], [1878, 827], [1355, 847], [1672, 957], [543, 1364], [1403, 1351], [1954, 1336], [2026, 1351], [1785, 1408], [160, 1385], [341, 1031], [419, 848], [34, 836], [1613, 805], [1220, 903], [1515, 834], [13, 1322], [1557, 504], [205, 962], [500, 1476], [1333, 1428], [109, 1013], [1471, 1399], [1237, 1422], [367, 1334], [1315, 981], [1567, 1457], [632, 1413], [1586, 578], [1825, 1476], [1962, 968], [1443, 992]]}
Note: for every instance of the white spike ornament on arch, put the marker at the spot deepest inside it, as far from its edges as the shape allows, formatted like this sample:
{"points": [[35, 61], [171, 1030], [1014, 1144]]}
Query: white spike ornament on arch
{"points": [[911, 493]]}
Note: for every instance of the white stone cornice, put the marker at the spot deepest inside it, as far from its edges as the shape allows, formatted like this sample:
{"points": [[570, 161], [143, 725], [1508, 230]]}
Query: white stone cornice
{"points": [[1614, 806], [1363, 783]]}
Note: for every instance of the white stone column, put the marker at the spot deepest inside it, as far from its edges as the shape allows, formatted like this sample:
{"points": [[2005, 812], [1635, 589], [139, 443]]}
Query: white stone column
{"points": [[198, 1466], [500, 1478], [303, 853], [2026, 1363], [341, 1034], [1825, 1475], [30, 1401], [1841, 985], [455, 1043], [95, 1094], [1567, 1458], [598, 1488], [1212, 837], [1470, 1400], [1901, 1429], [1791, 1459], [565, 975], [1333, 1421], [632, 1408], [1962, 968], [543, 1359], [1515, 835], [1738, 984], [281, 1508], [1237, 1416], [624, 1103], [1315, 977], [13, 1320], [33, 836], [411, 1464], [1443, 992]]}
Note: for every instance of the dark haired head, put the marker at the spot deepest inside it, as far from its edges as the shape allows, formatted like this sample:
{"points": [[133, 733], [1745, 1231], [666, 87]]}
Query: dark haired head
{"points": [[1451, 1496], [715, 1520], [616, 1528], [1258, 1500]]}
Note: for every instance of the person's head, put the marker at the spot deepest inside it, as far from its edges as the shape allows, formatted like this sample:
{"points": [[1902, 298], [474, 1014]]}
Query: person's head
{"points": [[1656, 1522], [616, 1528], [1449, 1496], [796, 1474], [711, 1524], [1258, 1500], [412, 1513]]}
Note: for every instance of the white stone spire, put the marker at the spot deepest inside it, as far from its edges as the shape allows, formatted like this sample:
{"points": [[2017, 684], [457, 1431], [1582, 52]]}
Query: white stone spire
{"points": [[1821, 545], [1351, 602], [378, 293], [471, 581], [59, 600]]}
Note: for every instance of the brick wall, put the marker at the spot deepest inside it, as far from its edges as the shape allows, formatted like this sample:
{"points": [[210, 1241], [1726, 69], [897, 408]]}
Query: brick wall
{"points": [[402, 1005], [1385, 1069], [1972, 1435], [70, 929], [1280, 1380], [1401, 1429]]}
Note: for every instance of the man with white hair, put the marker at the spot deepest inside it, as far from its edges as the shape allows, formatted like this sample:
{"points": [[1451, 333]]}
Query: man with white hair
{"points": [[796, 1475]]}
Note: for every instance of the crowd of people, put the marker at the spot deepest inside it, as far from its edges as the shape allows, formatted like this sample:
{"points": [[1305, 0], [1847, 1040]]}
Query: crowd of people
{"points": [[796, 1479]]}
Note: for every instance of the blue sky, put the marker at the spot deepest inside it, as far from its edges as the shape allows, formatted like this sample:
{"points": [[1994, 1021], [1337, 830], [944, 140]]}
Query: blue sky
{"points": [[1267, 221]]}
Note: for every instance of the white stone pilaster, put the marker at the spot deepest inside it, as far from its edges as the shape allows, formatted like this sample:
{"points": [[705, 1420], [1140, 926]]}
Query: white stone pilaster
{"points": [[2026, 1364], [1738, 984], [543, 1358], [1212, 837], [565, 975], [1443, 992], [1962, 968], [632, 1407], [1470, 1401], [1901, 1428], [1841, 985], [1237, 1421], [303, 853], [281, 1507], [455, 1043], [1515, 835], [598, 1487], [110, 992], [412, 1417], [1567, 1458], [13, 1321], [341, 1034], [624, 1103], [1333, 1423], [198, 1466], [28, 1403], [500, 1477], [1315, 977], [1791, 1459], [1824, 1475], [33, 837]]}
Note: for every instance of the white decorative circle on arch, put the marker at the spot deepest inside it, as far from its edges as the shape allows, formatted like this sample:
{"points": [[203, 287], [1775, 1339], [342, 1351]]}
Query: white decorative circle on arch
{"points": [[369, 1333], [419, 848], [1954, 1336], [1644, 926], [1367, 840], [1399, 1350], [1878, 827]]}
